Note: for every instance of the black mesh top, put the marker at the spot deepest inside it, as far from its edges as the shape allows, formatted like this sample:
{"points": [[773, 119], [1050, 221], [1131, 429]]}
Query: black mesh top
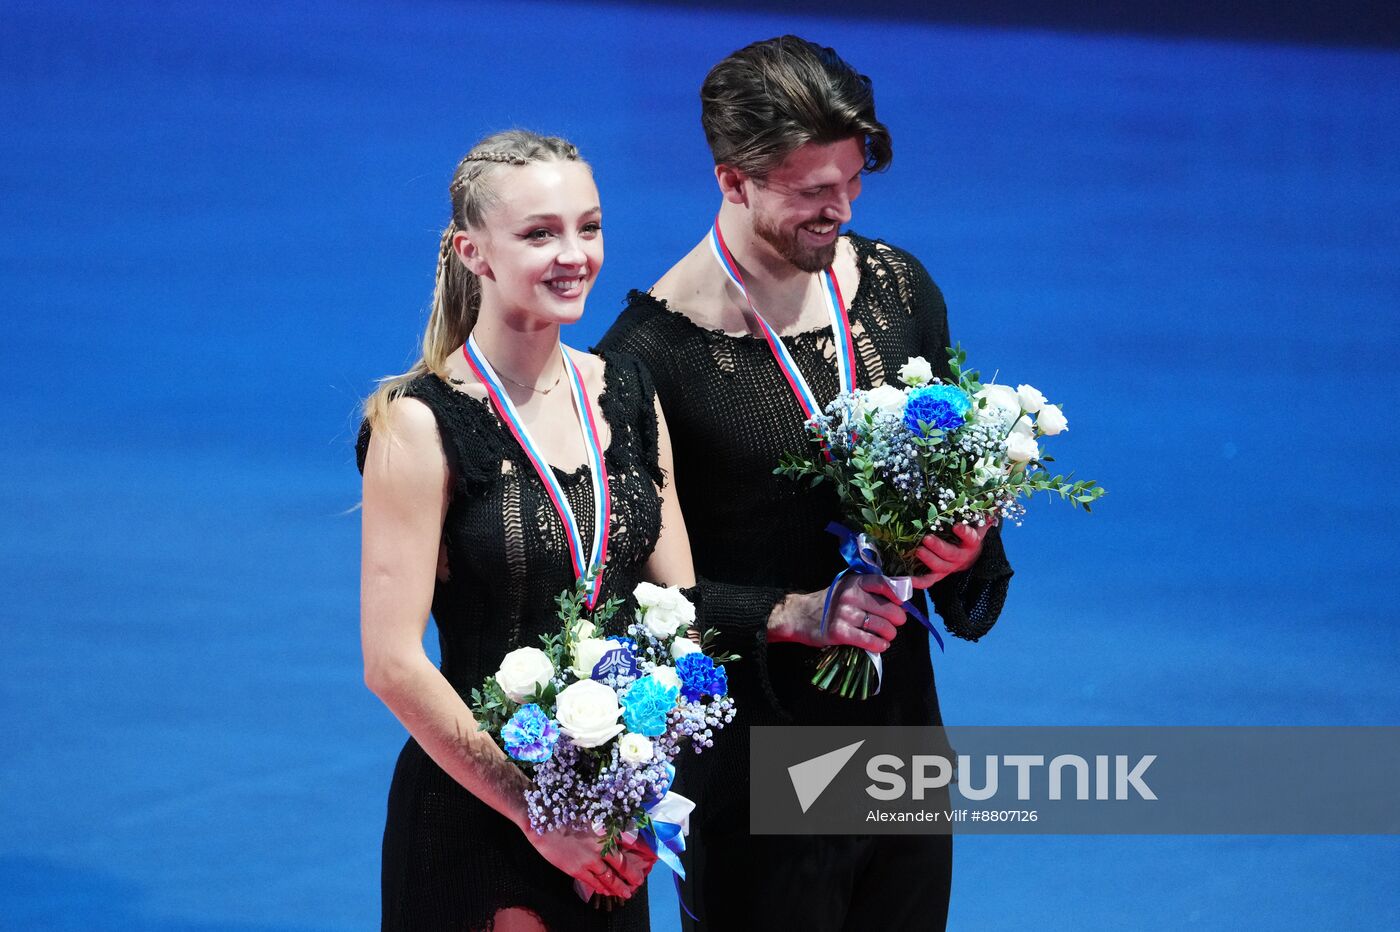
{"points": [[450, 861], [507, 557], [756, 536]]}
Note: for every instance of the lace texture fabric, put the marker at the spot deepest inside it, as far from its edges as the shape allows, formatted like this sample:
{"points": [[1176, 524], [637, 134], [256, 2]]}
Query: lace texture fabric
{"points": [[757, 537], [450, 861]]}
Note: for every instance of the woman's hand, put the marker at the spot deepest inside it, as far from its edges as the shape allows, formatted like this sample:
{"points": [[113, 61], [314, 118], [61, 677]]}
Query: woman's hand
{"points": [[638, 853], [864, 613], [943, 559], [580, 855]]}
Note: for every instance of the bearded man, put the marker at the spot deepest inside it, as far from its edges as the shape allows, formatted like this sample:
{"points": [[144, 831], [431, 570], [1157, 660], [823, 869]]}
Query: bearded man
{"points": [[793, 131]]}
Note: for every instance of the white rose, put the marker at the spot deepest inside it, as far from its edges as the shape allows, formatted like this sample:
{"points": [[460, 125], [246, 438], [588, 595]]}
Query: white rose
{"points": [[583, 630], [588, 712], [666, 610], [885, 399], [682, 646], [916, 372], [1021, 448], [663, 623], [523, 671], [587, 653], [635, 749], [667, 676], [1051, 421], [1024, 426], [1030, 397], [1002, 406]]}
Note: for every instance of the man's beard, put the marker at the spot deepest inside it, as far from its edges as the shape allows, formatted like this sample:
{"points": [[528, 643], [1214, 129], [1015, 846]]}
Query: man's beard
{"points": [[785, 243]]}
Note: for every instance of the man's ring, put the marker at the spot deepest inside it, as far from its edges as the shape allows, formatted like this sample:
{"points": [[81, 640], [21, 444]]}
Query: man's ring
{"points": [[865, 621]]}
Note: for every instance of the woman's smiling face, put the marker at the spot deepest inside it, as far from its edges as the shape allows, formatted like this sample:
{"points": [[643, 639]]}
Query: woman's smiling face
{"points": [[541, 242]]}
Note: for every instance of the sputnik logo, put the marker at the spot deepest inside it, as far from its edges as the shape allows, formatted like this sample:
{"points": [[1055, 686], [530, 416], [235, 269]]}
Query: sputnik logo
{"points": [[811, 777]]}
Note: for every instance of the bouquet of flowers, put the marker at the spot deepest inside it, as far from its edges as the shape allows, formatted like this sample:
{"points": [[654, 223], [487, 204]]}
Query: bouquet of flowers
{"points": [[597, 721], [913, 461]]}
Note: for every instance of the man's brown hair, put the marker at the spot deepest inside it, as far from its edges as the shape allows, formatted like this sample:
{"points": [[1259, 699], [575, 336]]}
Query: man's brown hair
{"points": [[772, 97]]}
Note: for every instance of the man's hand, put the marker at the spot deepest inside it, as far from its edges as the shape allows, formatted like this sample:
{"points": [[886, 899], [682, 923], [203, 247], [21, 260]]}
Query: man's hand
{"points": [[864, 614], [944, 559]]}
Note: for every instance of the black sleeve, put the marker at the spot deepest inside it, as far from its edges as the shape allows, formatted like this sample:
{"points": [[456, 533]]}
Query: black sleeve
{"points": [[738, 616], [636, 408]]}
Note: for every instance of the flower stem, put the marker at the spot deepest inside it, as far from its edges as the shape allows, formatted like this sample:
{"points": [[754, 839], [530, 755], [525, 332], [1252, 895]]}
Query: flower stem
{"points": [[845, 671]]}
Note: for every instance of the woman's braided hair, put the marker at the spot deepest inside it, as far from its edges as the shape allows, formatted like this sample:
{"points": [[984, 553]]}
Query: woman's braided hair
{"points": [[456, 291]]}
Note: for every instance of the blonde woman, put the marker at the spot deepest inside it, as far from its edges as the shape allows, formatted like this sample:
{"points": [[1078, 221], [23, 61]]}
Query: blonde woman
{"points": [[459, 522]]}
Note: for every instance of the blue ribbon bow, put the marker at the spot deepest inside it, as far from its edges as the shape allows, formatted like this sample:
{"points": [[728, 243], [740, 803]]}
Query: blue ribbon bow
{"points": [[863, 559]]}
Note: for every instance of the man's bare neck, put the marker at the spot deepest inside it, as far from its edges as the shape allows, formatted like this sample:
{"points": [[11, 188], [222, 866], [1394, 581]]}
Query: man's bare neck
{"points": [[698, 288]]}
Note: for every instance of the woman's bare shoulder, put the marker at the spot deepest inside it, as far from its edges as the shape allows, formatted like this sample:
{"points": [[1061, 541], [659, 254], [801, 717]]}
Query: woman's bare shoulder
{"points": [[405, 436]]}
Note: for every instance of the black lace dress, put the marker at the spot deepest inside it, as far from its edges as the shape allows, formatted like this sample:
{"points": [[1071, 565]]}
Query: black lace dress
{"points": [[756, 537], [450, 861]]}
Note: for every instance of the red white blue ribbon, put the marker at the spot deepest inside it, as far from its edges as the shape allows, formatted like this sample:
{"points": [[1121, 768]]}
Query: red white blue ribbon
{"points": [[588, 565], [840, 329]]}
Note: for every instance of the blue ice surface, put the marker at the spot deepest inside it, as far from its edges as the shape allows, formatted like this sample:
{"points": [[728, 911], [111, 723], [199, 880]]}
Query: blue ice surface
{"points": [[218, 224]]}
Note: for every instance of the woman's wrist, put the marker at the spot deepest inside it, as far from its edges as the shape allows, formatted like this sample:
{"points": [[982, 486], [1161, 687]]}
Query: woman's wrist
{"points": [[519, 813], [498, 781]]}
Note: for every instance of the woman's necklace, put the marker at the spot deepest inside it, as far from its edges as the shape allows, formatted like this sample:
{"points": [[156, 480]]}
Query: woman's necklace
{"points": [[531, 388]]}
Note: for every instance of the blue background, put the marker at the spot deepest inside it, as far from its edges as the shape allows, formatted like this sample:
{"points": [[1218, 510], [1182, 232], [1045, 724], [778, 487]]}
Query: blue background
{"points": [[218, 225]]}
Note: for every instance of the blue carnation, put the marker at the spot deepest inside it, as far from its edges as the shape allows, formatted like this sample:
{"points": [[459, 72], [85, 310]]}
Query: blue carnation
{"points": [[940, 407], [700, 677], [530, 735], [646, 705]]}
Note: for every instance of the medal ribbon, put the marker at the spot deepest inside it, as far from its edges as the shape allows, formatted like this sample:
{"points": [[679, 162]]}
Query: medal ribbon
{"points": [[840, 329], [585, 567]]}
